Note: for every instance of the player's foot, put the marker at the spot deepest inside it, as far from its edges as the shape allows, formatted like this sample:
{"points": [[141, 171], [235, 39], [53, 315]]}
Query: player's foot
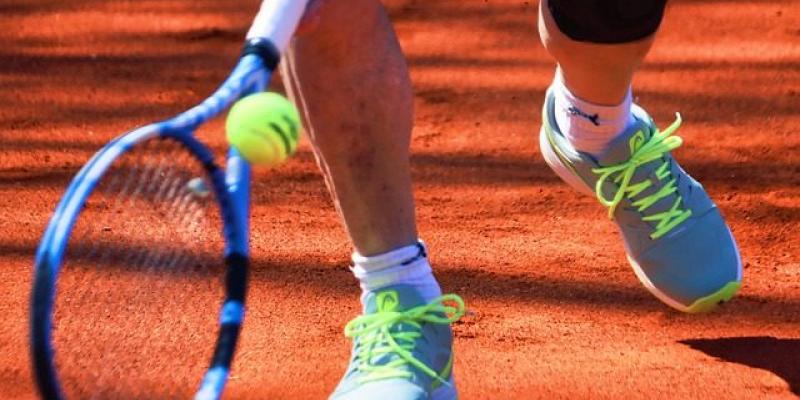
{"points": [[402, 347], [676, 240]]}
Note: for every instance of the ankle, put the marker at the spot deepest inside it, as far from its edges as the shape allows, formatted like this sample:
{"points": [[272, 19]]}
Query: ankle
{"points": [[587, 126], [406, 265]]}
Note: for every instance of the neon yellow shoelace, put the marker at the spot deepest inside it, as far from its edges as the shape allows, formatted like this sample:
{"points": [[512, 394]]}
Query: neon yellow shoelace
{"points": [[621, 174], [376, 338]]}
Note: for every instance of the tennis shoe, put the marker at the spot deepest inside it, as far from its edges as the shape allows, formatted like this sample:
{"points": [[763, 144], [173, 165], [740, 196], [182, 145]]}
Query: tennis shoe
{"points": [[675, 237], [402, 347]]}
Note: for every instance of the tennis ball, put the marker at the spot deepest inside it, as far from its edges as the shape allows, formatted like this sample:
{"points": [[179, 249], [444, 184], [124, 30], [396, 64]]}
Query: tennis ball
{"points": [[264, 127]]}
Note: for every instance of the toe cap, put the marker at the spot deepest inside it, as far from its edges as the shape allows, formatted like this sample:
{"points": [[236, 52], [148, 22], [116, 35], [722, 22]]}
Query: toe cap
{"points": [[693, 264]]}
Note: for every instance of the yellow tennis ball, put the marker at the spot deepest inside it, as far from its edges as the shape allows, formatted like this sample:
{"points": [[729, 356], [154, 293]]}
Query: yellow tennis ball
{"points": [[264, 127]]}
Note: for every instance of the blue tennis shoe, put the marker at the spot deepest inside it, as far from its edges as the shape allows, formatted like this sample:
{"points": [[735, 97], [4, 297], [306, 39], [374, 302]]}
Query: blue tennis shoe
{"points": [[402, 347], [675, 237]]}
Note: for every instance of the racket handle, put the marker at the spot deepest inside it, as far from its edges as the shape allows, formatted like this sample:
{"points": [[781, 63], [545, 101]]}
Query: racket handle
{"points": [[276, 21]]}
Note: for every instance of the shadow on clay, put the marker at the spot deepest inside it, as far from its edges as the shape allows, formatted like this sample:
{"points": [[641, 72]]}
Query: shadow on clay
{"points": [[776, 355]]}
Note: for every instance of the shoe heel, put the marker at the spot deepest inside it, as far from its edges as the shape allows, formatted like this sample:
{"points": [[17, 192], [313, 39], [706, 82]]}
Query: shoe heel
{"points": [[563, 172]]}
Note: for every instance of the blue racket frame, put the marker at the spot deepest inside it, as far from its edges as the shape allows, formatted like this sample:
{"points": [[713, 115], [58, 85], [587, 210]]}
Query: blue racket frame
{"points": [[252, 74]]}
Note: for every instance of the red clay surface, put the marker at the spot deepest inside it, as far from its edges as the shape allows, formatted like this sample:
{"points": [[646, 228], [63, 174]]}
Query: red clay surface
{"points": [[556, 311]]}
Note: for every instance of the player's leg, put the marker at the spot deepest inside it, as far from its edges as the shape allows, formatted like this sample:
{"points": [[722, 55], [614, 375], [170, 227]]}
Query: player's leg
{"points": [[350, 79], [351, 82], [597, 57], [600, 143], [614, 58]]}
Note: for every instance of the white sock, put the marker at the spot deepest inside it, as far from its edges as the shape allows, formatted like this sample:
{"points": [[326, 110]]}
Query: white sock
{"points": [[407, 265], [589, 127]]}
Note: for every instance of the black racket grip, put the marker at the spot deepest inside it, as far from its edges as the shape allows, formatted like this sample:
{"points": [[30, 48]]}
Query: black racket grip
{"points": [[265, 49]]}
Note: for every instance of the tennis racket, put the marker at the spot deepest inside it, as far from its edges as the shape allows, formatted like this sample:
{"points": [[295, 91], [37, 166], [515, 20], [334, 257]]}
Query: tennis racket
{"points": [[141, 274]]}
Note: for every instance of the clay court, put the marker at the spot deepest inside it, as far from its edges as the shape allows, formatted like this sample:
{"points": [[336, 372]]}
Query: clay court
{"points": [[555, 310]]}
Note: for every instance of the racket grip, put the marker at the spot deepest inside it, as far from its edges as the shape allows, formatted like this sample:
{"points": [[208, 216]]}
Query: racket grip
{"points": [[276, 22]]}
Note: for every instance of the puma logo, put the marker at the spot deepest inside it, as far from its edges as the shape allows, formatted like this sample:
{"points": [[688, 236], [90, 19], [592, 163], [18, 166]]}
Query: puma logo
{"points": [[576, 111]]}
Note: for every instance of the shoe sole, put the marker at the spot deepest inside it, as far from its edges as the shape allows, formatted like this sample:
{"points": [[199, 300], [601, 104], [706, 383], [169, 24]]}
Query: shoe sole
{"points": [[701, 305]]}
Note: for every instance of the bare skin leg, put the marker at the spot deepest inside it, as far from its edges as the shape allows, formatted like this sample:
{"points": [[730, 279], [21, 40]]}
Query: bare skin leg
{"points": [[348, 75], [583, 63], [337, 69]]}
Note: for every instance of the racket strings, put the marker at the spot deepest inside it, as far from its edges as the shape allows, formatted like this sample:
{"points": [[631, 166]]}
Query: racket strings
{"points": [[140, 286]]}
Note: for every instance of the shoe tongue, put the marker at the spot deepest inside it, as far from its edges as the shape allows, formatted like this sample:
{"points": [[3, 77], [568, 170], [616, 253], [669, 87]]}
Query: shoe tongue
{"points": [[391, 299], [621, 150], [624, 145]]}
